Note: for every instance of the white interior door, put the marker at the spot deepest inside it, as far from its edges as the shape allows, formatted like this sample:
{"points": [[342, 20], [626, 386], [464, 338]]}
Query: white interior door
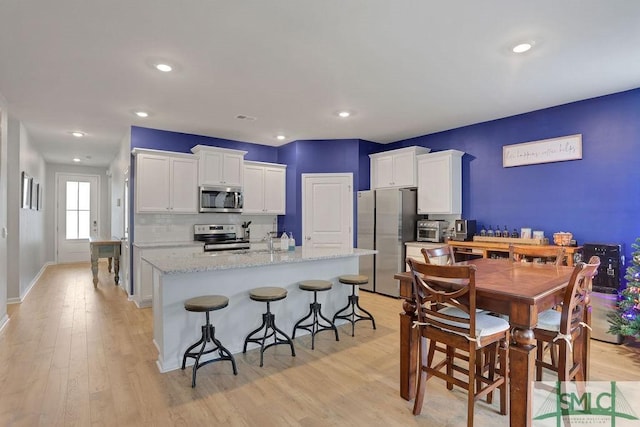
{"points": [[77, 216], [327, 210]]}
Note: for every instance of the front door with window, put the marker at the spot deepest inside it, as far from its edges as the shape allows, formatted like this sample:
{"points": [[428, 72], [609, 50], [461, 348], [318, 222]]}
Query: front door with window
{"points": [[77, 216]]}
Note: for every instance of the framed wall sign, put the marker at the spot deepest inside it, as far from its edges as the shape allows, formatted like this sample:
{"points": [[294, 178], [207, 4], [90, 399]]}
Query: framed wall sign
{"points": [[26, 190], [544, 151]]}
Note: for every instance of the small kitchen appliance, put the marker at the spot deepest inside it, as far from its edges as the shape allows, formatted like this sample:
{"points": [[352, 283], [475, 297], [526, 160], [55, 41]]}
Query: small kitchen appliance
{"points": [[464, 230], [221, 199], [219, 237], [429, 230]]}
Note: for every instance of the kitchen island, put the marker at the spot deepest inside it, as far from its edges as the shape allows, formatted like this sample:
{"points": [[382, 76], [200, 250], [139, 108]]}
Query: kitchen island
{"points": [[179, 277]]}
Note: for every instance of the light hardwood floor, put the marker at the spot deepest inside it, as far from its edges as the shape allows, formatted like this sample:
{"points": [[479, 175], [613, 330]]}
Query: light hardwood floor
{"points": [[75, 355]]}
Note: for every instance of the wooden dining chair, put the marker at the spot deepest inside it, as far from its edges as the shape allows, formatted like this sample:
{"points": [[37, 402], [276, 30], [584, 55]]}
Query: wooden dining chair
{"points": [[443, 255], [564, 328], [523, 253], [461, 330]]}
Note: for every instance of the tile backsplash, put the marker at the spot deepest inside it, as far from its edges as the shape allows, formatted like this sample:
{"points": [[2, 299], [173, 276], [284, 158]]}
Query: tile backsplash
{"points": [[153, 228]]}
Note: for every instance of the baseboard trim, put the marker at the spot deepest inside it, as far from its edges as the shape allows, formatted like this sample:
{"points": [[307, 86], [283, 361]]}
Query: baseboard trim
{"points": [[31, 285], [4, 321]]}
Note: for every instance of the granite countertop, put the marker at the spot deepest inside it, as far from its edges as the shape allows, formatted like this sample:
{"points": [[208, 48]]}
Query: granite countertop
{"points": [[174, 244], [210, 261]]}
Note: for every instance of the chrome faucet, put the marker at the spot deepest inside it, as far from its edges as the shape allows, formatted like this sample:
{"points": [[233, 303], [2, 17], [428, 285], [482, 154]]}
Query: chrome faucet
{"points": [[270, 238]]}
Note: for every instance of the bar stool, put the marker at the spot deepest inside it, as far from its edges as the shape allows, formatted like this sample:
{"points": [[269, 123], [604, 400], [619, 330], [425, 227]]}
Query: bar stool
{"points": [[206, 304], [268, 294], [353, 280], [315, 312]]}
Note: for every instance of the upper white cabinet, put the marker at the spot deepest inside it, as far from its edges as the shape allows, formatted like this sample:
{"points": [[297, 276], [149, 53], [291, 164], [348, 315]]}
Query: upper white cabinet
{"points": [[219, 166], [166, 182], [395, 168], [264, 189], [440, 182]]}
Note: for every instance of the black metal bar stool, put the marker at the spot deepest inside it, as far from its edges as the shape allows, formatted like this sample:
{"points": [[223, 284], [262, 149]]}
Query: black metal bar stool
{"points": [[207, 304], [315, 312], [268, 294], [353, 280]]}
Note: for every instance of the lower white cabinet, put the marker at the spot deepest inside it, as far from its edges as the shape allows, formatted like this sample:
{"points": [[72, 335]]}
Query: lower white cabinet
{"points": [[264, 189], [143, 272], [414, 252]]}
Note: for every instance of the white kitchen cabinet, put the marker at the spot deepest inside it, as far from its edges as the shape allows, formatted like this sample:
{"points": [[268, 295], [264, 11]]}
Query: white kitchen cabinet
{"points": [[440, 182], [264, 188], [166, 182], [414, 252], [395, 168], [219, 166]]}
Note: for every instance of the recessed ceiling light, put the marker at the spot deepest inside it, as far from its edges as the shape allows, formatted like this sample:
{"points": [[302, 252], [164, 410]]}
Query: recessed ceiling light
{"points": [[281, 137], [165, 68], [344, 114], [78, 134], [142, 114], [245, 117], [75, 159], [522, 47]]}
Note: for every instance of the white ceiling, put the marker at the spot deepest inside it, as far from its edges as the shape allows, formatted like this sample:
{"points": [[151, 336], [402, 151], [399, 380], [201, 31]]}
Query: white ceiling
{"points": [[404, 68]]}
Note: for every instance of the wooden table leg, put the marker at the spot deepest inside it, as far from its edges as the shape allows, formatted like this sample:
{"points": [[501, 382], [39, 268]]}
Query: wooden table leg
{"points": [[522, 359], [116, 269], [109, 265], [408, 351], [94, 270]]}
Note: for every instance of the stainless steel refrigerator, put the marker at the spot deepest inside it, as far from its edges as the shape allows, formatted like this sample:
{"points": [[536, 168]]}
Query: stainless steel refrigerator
{"points": [[366, 235], [391, 224]]}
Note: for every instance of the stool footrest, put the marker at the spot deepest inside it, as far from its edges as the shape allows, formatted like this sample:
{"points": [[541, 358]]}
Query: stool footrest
{"points": [[208, 336], [315, 325], [350, 314], [268, 330]]}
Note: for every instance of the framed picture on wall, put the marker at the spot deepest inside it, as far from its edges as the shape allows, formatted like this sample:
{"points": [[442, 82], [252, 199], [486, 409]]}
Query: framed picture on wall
{"points": [[40, 191], [35, 203], [26, 190]]}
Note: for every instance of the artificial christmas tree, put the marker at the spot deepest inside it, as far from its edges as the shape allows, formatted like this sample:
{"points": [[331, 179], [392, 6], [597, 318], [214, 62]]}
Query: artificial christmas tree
{"points": [[626, 320]]}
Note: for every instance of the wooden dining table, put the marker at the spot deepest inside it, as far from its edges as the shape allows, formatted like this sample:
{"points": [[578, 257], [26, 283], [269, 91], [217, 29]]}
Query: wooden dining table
{"points": [[520, 290]]}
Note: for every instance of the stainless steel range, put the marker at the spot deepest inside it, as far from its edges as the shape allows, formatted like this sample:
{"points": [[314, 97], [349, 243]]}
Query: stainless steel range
{"points": [[218, 237]]}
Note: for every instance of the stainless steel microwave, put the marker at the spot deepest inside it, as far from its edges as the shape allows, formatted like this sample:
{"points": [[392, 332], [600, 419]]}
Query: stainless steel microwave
{"points": [[221, 199]]}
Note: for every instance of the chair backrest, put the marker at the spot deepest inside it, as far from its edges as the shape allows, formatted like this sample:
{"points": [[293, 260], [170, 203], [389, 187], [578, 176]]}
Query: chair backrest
{"points": [[442, 251], [576, 296], [519, 253], [448, 285]]}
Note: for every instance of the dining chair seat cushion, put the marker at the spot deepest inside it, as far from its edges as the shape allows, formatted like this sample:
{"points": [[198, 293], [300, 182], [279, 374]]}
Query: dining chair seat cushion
{"points": [[549, 320], [486, 324]]}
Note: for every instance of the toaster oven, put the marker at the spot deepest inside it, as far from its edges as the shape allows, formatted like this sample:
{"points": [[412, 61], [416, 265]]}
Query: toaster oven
{"points": [[431, 230]]}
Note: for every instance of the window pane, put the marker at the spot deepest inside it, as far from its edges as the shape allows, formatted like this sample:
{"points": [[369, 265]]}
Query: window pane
{"points": [[72, 224], [84, 196], [72, 195], [83, 224]]}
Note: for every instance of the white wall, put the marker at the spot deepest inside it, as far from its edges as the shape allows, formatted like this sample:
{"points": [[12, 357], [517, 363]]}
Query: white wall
{"points": [[117, 170], [4, 117], [26, 255]]}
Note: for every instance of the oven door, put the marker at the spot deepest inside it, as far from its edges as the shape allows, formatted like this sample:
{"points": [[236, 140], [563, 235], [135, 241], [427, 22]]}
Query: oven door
{"points": [[428, 234], [221, 199]]}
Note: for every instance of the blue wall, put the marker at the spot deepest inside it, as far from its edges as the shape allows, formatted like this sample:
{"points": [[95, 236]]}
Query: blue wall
{"points": [[596, 198], [183, 142]]}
